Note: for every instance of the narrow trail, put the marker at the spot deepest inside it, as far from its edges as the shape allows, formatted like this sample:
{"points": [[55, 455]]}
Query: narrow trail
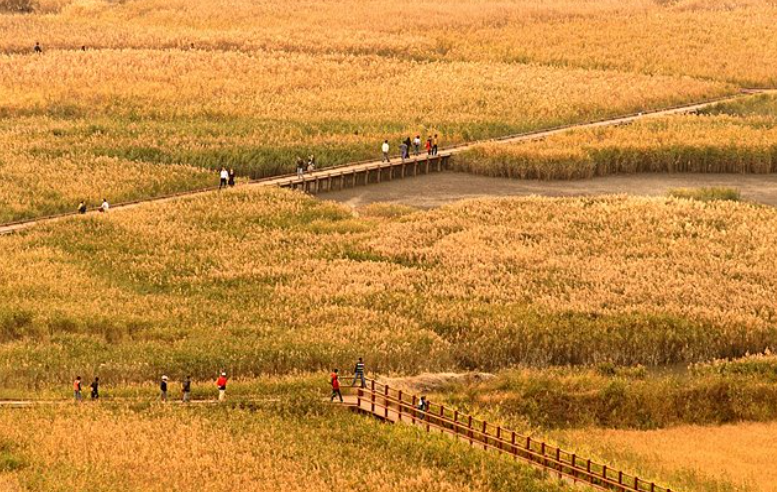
{"points": [[286, 180]]}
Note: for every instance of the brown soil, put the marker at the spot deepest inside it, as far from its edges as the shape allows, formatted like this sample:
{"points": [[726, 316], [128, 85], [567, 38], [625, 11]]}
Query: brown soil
{"points": [[435, 190]]}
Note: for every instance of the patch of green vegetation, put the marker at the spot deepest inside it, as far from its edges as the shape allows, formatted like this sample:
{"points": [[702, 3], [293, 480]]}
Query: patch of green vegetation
{"points": [[707, 194]]}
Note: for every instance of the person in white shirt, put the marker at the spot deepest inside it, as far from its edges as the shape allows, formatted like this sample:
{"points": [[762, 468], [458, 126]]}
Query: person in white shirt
{"points": [[224, 178], [386, 149], [417, 144], [105, 206]]}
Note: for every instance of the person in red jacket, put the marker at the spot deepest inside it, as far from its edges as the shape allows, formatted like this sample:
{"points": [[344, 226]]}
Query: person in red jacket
{"points": [[222, 385], [335, 380]]}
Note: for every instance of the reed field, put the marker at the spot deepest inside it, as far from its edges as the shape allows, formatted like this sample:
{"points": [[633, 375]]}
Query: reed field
{"points": [[164, 94], [733, 138], [160, 114], [270, 281], [122, 448], [729, 40], [736, 457]]}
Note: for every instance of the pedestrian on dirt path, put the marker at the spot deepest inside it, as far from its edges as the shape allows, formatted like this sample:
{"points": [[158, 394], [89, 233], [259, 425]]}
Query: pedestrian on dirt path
{"points": [[187, 389], [37, 48], [423, 407], [358, 373], [221, 382], [231, 177], [311, 163], [82, 207], [300, 167], [105, 206], [77, 389], [435, 144], [385, 148], [417, 145], [334, 379], [95, 387], [429, 145], [403, 148], [163, 389], [224, 178]]}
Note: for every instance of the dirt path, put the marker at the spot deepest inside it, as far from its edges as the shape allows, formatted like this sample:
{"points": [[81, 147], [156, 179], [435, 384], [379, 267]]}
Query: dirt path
{"points": [[435, 190], [281, 180]]}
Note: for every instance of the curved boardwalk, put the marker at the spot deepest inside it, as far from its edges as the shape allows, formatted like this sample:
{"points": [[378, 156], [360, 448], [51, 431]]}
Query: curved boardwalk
{"points": [[287, 181]]}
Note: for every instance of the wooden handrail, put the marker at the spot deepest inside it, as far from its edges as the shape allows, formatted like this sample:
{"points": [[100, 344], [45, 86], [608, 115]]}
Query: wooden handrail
{"points": [[382, 400]]}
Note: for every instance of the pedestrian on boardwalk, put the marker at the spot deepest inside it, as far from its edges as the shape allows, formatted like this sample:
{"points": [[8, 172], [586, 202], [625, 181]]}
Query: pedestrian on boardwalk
{"points": [[163, 389], [37, 48], [224, 175], [385, 148], [82, 207], [221, 382], [403, 151], [358, 373], [435, 144], [77, 389], [187, 389], [311, 163], [95, 387], [417, 144], [231, 177], [429, 145], [408, 143], [105, 206], [423, 408], [300, 167], [335, 380]]}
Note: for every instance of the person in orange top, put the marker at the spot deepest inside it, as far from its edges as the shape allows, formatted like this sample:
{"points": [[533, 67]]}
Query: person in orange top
{"points": [[222, 385], [334, 378], [77, 388]]}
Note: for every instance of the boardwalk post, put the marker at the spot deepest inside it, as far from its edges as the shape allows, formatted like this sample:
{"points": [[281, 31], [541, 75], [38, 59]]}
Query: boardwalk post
{"points": [[400, 405], [574, 466], [620, 478], [485, 435], [372, 397], [469, 433], [456, 422], [442, 416], [499, 436], [385, 401], [412, 414], [512, 444], [558, 462], [604, 471]]}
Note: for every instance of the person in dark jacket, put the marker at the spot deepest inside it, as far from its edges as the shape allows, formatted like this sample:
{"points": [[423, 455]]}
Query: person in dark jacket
{"points": [[231, 179], [187, 389], [95, 386]]}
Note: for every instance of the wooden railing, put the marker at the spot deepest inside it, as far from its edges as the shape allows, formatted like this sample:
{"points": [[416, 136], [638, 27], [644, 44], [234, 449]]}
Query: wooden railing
{"points": [[398, 406]]}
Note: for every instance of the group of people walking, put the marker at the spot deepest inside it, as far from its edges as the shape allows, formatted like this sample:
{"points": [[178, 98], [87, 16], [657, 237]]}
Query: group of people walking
{"points": [[358, 376], [104, 206], [226, 178], [186, 388], [304, 166], [431, 146]]}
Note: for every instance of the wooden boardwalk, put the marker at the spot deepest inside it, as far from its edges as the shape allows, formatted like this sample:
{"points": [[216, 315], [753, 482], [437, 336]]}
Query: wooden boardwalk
{"points": [[369, 172], [398, 407]]}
